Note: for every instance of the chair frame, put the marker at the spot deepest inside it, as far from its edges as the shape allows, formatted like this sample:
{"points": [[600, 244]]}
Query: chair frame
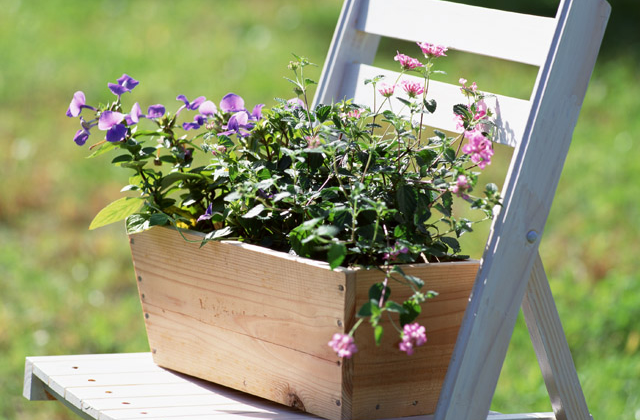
{"points": [[512, 273]]}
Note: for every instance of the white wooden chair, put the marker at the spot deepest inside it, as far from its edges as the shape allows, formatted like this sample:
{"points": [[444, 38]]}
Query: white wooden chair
{"points": [[565, 49]]}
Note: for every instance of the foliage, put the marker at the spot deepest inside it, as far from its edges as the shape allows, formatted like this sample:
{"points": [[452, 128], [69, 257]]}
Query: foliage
{"points": [[339, 182]]}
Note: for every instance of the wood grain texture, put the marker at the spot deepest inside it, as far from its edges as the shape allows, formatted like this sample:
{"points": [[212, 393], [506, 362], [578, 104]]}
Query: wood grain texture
{"points": [[512, 36], [529, 190], [117, 392], [259, 321], [552, 349], [511, 113]]}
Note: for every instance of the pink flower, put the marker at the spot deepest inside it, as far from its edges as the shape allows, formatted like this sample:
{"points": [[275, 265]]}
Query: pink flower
{"points": [[461, 186], [343, 345], [467, 89], [479, 147], [386, 90], [406, 62], [218, 149], [413, 335], [354, 113], [313, 141], [431, 50], [413, 89]]}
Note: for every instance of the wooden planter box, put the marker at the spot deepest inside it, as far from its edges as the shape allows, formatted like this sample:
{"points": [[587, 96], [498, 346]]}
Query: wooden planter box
{"points": [[259, 321]]}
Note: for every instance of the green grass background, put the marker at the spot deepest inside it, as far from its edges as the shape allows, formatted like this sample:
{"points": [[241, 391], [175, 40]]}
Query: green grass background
{"points": [[65, 290]]}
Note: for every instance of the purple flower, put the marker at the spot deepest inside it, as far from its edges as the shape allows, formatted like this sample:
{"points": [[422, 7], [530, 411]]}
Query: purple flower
{"points": [[198, 121], [77, 103], [256, 114], [207, 214], [155, 111], [413, 335], [81, 136], [343, 345], [189, 105], [238, 124], [296, 103], [126, 83], [208, 109], [232, 103], [134, 116], [110, 122]]}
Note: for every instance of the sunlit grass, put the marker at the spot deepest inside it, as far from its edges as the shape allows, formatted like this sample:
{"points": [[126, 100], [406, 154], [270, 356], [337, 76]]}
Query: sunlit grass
{"points": [[65, 290]]}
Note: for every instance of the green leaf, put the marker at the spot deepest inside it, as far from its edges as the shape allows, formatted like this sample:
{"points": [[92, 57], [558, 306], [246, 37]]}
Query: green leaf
{"points": [[216, 234], [158, 219], [461, 110], [375, 291], [412, 311], [430, 105], [336, 254], [254, 212], [322, 112], [451, 243], [104, 148], [134, 165], [116, 211], [395, 307], [137, 223], [122, 158], [407, 200]]}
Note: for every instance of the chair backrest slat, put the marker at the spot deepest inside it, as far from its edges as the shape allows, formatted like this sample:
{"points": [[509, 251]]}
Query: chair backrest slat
{"points": [[511, 117], [496, 33]]}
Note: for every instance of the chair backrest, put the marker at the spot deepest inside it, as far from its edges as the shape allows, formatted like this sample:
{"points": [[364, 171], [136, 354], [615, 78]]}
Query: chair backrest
{"points": [[540, 129]]}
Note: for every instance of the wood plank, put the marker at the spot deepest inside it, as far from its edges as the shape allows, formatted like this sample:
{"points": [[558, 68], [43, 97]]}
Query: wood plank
{"points": [[532, 180], [512, 113], [191, 398], [348, 45], [552, 349], [510, 36]]}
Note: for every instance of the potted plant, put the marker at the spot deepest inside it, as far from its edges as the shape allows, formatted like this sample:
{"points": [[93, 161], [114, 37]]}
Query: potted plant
{"points": [[290, 227]]}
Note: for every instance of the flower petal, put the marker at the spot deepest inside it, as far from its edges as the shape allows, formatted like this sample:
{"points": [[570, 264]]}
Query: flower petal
{"points": [[256, 114], [127, 82], [155, 111], [108, 119], [76, 104], [231, 103], [116, 133], [196, 103], [81, 137], [208, 108]]}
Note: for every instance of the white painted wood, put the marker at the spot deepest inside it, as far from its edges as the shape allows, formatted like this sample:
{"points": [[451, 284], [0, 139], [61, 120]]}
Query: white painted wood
{"points": [[552, 349], [348, 45], [531, 182], [512, 113], [144, 398], [511, 36]]}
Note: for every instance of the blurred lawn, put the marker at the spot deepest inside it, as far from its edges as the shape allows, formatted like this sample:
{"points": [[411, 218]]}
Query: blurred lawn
{"points": [[65, 290]]}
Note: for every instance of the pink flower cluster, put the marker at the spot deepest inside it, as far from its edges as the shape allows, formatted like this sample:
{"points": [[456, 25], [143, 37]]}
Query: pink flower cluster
{"points": [[432, 50], [413, 335], [313, 141], [481, 112], [386, 89], [461, 186], [406, 62], [479, 147], [473, 88], [343, 345], [413, 89]]}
